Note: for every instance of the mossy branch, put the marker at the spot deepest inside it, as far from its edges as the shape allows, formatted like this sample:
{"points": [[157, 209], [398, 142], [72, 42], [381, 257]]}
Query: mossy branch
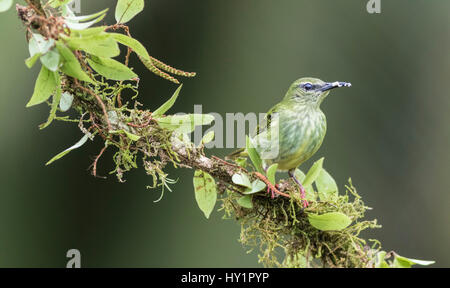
{"points": [[78, 70]]}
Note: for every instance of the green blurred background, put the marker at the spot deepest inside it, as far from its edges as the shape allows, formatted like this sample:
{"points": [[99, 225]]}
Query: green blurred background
{"points": [[389, 132]]}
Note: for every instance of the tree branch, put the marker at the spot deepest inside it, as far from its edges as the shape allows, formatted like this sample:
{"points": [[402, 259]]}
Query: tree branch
{"points": [[267, 222]]}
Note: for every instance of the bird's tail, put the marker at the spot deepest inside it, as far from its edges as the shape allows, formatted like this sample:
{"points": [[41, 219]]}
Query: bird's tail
{"points": [[236, 154]]}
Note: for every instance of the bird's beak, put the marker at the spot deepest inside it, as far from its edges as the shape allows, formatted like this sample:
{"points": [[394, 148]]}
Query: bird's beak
{"points": [[329, 86]]}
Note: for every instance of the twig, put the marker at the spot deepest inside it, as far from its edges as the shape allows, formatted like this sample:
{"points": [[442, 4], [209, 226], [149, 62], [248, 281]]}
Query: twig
{"points": [[100, 102], [36, 6], [127, 57], [94, 165], [143, 125], [228, 163], [94, 124]]}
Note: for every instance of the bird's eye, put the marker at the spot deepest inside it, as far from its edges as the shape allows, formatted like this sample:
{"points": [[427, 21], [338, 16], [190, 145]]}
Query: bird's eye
{"points": [[308, 86]]}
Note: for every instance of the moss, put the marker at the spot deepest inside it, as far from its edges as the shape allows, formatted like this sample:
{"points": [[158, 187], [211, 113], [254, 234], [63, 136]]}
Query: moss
{"points": [[280, 230]]}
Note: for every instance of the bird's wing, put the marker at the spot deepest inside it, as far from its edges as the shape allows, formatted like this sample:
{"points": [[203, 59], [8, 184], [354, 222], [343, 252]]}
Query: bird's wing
{"points": [[266, 140], [265, 125]]}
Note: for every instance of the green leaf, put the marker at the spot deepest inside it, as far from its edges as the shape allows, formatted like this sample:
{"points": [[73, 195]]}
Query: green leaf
{"points": [[257, 186], [65, 152], [51, 60], [127, 9], [78, 22], [83, 18], [88, 32], [169, 103], [38, 44], [326, 186], [111, 69], [66, 101], [46, 84], [246, 201], [271, 172], [184, 123], [299, 175], [254, 156], [32, 60], [5, 5], [134, 44], [251, 187], [333, 221], [380, 261], [131, 136], [403, 262], [205, 192], [83, 25], [310, 193], [241, 161], [208, 137], [56, 100], [102, 45], [70, 65], [57, 3], [313, 172], [66, 11], [241, 180]]}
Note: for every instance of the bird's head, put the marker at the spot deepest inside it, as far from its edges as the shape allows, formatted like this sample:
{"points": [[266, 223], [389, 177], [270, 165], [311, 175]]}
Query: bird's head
{"points": [[311, 91]]}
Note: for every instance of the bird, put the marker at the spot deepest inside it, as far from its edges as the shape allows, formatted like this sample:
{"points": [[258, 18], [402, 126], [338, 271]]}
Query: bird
{"points": [[294, 129]]}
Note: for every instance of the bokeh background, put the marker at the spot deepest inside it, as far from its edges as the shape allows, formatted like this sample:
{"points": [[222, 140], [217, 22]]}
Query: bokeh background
{"points": [[389, 132]]}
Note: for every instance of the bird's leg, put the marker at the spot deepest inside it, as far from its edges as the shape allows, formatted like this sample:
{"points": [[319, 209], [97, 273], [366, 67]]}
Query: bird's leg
{"points": [[270, 187], [302, 189], [269, 191]]}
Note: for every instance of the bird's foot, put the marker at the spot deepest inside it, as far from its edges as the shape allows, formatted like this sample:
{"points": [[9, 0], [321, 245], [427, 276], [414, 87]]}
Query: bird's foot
{"points": [[272, 191], [269, 191], [302, 190], [303, 196], [270, 187]]}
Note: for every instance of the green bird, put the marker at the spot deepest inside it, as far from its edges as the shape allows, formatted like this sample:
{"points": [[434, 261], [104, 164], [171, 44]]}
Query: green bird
{"points": [[293, 129]]}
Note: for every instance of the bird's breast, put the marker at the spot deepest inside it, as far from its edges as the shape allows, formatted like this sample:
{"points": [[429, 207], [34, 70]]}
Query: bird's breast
{"points": [[300, 135]]}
